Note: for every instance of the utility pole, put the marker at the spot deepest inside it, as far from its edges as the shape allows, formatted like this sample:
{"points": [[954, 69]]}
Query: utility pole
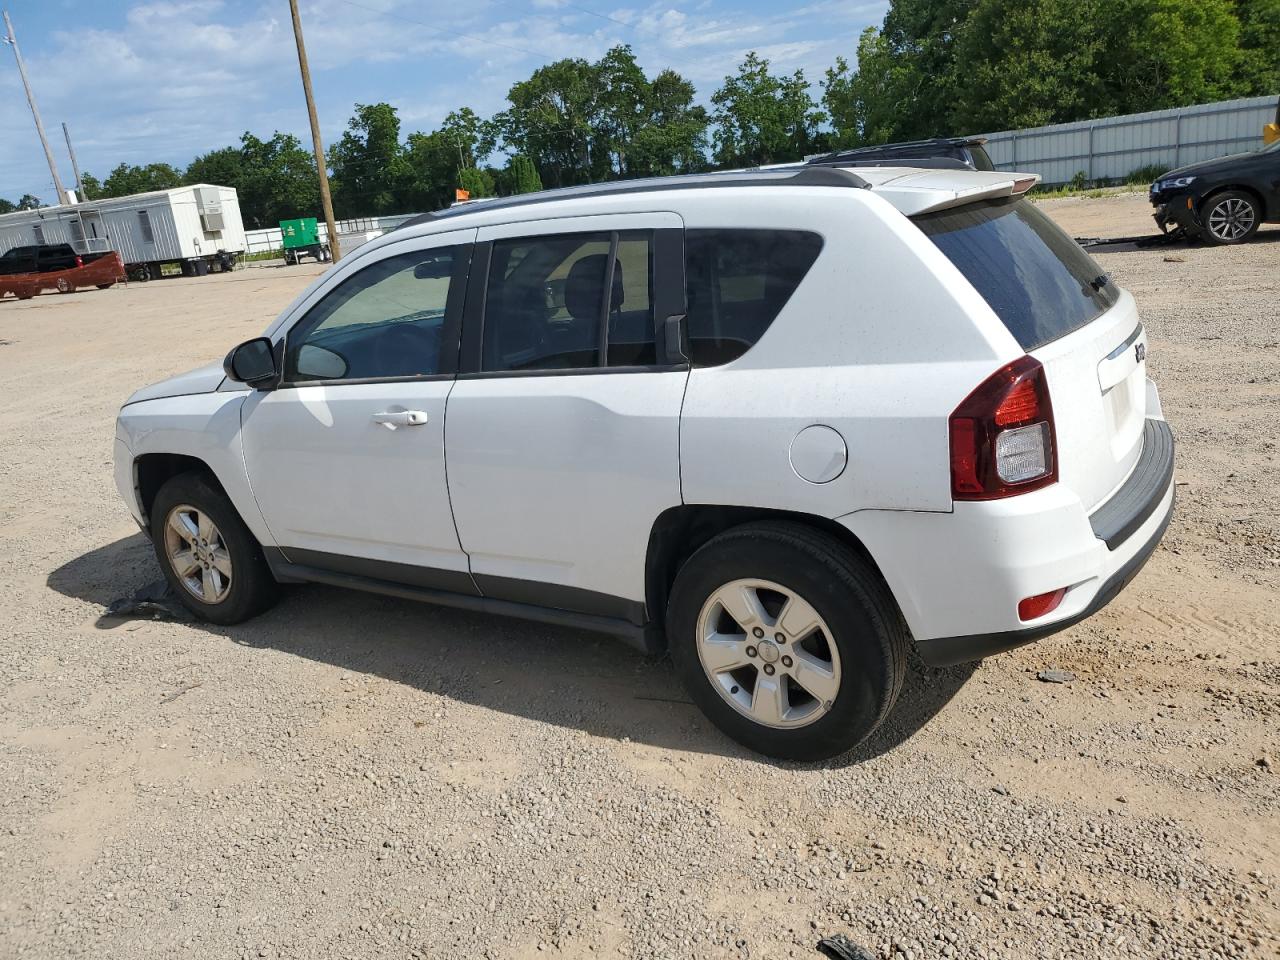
{"points": [[75, 167], [35, 112], [325, 200]]}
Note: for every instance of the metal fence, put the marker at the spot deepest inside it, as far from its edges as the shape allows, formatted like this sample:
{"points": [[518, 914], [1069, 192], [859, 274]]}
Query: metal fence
{"points": [[351, 233], [1112, 148]]}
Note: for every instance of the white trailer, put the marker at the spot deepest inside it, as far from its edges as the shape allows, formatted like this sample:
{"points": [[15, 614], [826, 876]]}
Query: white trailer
{"points": [[185, 226]]}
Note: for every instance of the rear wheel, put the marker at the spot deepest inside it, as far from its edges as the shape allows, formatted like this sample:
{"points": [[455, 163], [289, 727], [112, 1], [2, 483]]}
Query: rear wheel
{"points": [[1230, 217], [208, 555], [787, 640]]}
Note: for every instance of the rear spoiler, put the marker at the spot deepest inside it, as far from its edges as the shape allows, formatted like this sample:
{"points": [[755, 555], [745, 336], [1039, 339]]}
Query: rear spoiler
{"points": [[914, 195]]}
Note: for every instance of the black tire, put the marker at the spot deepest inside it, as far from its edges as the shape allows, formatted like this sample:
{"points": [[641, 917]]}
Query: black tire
{"points": [[253, 589], [105, 286], [865, 624], [1229, 217]]}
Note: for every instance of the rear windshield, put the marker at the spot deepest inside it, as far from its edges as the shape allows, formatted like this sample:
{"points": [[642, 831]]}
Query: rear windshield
{"points": [[1035, 277]]}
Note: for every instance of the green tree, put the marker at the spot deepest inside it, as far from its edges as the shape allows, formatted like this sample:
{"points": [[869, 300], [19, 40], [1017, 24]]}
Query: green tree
{"points": [[551, 119], [673, 138], [1169, 53], [91, 186], [7, 206], [1029, 62], [29, 201], [431, 164], [1259, 67], [477, 183], [224, 167], [761, 118], [275, 178], [369, 166], [522, 175], [126, 179]]}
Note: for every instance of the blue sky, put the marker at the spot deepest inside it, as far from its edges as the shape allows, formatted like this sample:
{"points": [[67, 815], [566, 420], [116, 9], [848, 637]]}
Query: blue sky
{"points": [[164, 80]]}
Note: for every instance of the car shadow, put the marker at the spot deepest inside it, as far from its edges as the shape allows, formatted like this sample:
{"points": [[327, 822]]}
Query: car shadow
{"points": [[550, 674], [1266, 234]]}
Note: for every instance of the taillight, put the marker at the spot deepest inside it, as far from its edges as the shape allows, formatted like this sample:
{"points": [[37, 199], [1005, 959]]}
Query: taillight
{"points": [[1002, 438], [79, 260]]}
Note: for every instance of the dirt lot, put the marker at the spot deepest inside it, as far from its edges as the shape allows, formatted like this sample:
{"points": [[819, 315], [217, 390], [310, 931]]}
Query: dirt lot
{"points": [[352, 776]]}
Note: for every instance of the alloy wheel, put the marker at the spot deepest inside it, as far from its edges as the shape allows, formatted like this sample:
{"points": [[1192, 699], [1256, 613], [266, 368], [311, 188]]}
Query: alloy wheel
{"points": [[197, 553], [768, 653], [1231, 219]]}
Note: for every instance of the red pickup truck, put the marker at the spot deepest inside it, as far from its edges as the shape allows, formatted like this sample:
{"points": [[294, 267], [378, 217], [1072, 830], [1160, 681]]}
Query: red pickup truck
{"points": [[28, 271]]}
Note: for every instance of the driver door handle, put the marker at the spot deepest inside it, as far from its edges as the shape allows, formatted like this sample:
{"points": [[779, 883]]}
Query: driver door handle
{"points": [[400, 418]]}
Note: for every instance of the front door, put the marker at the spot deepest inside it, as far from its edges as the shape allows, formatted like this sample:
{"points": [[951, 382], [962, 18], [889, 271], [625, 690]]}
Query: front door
{"points": [[564, 424], [346, 456]]}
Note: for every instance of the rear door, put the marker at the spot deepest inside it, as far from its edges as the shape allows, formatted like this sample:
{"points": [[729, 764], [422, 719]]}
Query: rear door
{"points": [[1063, 310], [564, 423]]}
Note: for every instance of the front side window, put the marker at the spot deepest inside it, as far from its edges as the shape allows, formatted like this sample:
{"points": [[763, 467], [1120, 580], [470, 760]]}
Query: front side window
{"points": [[385, 321], [737, 282], [546, 306]]}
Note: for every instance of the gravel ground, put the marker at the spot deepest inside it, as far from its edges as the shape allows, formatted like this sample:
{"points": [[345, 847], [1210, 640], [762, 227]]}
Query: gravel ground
{"points": [[353, 776]]}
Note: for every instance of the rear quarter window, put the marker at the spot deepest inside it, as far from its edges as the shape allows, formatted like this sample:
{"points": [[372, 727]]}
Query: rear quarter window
{"points": [[737, 282], [1039, 282]]}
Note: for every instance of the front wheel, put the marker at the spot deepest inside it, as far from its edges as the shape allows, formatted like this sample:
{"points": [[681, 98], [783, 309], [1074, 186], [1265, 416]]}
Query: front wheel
{"points": [[787, 640], [208, 555], [1230, 217]]}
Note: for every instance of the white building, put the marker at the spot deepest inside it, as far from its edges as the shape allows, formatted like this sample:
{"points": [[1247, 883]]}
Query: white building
{"points": [[181, 226]]}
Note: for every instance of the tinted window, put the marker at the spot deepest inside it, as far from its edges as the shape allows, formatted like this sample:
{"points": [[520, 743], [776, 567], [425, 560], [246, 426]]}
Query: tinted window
{"points": [[738, 281], [384, 321], [981, 159], [545, 303], [1034, 276]]}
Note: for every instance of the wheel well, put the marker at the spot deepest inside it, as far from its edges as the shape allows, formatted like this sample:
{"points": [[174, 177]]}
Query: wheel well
{"points": [[1238, 188], [680, 531], [152, 470]]}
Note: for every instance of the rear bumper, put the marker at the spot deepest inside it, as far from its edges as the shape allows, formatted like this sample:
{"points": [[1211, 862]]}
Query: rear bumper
{"points": [[945, 651], [959, 577]]}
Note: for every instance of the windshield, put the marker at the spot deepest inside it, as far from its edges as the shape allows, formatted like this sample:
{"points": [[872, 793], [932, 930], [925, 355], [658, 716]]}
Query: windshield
{"points": [[1038, 280]]}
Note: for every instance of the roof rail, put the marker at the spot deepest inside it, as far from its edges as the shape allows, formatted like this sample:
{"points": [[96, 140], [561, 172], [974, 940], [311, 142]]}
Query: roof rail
{"points": [[919, 163], [815, 176]]}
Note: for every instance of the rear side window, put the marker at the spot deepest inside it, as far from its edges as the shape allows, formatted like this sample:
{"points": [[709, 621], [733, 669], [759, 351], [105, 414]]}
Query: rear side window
{"points": [[546, 306], [738, 281], [1035, 277]]}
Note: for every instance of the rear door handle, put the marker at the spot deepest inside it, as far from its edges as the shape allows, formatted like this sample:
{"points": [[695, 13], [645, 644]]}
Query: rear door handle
{"points": [[400, 418]]}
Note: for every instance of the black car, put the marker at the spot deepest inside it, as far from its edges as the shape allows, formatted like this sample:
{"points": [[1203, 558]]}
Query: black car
{"points": [[44, 258], [1223, 200], [968, 151]]}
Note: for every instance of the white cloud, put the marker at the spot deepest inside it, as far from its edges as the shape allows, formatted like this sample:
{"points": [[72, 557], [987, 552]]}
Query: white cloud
{"points": [[180, 77]]}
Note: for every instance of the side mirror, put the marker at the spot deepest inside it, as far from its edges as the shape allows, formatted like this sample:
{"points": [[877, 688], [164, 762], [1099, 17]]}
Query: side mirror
{"points": [[253, 362], [438, 268]]}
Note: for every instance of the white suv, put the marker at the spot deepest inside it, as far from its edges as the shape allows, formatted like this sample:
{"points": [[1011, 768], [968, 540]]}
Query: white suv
{"points": [[783, 424]]}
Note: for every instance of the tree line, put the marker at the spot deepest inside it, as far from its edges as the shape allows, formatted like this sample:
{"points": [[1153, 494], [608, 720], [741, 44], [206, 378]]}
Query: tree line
{"points": [[933, 68]]}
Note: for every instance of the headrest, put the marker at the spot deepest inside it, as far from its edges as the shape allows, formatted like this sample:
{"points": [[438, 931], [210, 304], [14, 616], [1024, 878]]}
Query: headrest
{"points": [[584, 287]]}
